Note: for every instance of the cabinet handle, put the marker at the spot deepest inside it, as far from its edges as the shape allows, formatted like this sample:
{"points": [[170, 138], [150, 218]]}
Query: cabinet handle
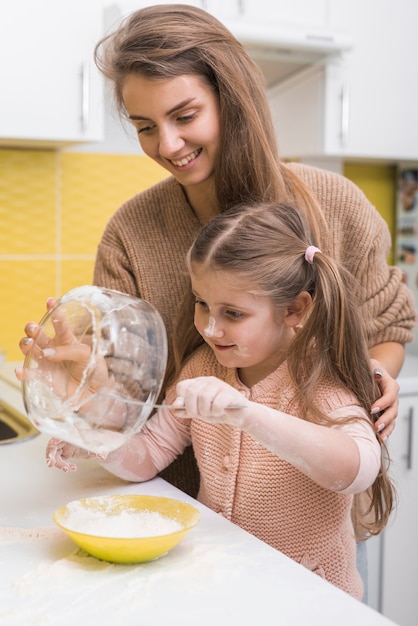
{"points": [[85, 96], [345, 114], [408, 455]]}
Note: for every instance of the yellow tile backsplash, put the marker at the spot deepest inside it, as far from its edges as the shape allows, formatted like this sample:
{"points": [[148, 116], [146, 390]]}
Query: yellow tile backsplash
{"points": [[93, 186], [75, 272], [54, 206], [28, 191], [53, 209], [379, 183], [24, 286]]}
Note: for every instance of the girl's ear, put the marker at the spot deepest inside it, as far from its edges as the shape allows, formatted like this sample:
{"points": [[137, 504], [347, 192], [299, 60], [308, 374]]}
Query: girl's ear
{"points": [[297, 310]]}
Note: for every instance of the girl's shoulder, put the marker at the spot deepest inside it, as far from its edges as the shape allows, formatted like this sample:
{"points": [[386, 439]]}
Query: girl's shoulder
{"points": [[204, 363], [278, 389], [331, 396]]}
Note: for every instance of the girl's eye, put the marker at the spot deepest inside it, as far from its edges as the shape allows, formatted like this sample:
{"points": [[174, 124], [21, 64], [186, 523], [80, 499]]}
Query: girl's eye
{"points": [[201, 304], [236, 315]]}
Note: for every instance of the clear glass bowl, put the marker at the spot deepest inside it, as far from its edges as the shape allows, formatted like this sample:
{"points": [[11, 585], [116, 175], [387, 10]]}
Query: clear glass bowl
{"points": [[100, 400]]}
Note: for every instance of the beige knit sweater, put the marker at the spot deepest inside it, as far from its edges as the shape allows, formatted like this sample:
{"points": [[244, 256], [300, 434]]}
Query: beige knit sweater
{"points": [[145, 242]]}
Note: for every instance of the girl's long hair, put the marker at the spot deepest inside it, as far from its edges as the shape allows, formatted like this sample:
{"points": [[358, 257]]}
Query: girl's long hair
{"points": [[165, 41], [265, 245]]}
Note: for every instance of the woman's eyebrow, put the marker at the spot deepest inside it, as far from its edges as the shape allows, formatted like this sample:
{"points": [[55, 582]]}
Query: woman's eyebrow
{"points": [[175, 108]]}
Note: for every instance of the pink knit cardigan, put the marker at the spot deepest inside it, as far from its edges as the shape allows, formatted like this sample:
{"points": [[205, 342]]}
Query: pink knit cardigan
{"points": [[247, 484]]}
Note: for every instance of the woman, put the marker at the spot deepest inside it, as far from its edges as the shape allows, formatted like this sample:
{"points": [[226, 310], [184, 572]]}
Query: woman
{"points": [[199, 106]]}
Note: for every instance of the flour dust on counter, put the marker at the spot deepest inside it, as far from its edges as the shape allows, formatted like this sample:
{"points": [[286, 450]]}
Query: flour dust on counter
{"points": [[51, 582], [14, 535]]}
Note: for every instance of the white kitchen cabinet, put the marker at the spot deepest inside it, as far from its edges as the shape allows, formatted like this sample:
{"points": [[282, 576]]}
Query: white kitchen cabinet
{"points": [[298, 13], [363, 104], [295, 14], [52, 93], [399, 547]]}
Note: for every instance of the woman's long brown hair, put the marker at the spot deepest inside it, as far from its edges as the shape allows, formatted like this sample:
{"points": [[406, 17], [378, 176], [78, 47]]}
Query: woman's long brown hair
{"points": [[164, 41]]}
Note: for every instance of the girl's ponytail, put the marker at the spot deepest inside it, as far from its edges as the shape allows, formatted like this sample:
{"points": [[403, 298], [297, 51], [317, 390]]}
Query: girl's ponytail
{"points": [[339, 351]]}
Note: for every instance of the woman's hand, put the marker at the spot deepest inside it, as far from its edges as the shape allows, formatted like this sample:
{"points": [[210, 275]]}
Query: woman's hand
{"points": [[64, 358], [63, 335], [210, 399], [387, 405]]}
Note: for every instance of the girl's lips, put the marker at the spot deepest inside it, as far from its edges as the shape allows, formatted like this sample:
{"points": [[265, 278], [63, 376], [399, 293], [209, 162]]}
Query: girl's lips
{"points": [[223, 348]]}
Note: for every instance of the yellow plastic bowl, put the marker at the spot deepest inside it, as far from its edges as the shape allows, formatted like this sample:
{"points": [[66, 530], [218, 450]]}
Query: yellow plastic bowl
{"points": [[130, 550]]}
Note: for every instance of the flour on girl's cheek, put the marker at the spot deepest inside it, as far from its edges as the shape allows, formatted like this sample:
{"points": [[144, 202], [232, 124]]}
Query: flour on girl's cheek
{"points": [[241, 351], [210, 328]]}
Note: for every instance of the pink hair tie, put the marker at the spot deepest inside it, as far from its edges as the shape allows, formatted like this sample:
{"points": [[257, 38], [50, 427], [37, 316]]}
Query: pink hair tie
{"points": [[310, 253]]}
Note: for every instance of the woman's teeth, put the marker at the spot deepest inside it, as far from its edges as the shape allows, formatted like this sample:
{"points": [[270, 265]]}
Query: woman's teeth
{"points": [[187, 159]]}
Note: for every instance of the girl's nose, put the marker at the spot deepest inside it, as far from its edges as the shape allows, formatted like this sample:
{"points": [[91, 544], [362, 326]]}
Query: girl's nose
{"points": [[213, 329]]}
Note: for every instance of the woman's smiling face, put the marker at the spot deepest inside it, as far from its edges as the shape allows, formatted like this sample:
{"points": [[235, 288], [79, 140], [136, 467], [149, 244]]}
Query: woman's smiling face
{"points": [[177, 121]]}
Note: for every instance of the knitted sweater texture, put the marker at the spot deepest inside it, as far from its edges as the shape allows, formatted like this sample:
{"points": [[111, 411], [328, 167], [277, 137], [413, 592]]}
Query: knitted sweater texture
{"points": [[262, 493]]}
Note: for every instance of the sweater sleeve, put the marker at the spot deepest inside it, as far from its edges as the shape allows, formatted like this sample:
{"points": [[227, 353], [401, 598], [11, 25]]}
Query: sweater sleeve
{"points": [[368, 447], [166, 437], [112, 267], [387, 303]]}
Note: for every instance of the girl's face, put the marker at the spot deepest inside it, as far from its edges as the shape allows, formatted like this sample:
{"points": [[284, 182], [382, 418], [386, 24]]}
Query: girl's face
{"points": [[177, 121], [244, 330]]}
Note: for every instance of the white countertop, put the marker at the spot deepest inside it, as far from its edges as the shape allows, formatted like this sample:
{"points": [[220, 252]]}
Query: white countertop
{"points": [[218, 574]]}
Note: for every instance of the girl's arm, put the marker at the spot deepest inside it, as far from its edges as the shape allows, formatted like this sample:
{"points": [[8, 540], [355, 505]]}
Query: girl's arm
{"points": [[160, 441], [329, 456], [131, 461], [141, 458]]}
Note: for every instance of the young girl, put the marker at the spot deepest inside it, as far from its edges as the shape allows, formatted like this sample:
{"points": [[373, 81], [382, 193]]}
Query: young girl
{"points": [[273, 389]]}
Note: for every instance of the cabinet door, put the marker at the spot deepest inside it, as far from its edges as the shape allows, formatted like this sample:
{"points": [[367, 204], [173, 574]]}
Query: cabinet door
{"points": [[295, 14], [298, 14], [363, 104], [399, 557], [51, 90], [380, 77]]}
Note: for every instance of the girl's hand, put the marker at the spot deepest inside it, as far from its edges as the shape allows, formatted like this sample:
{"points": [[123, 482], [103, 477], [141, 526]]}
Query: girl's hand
{"points": [[211, 400], [387, 405], [59, 452]]}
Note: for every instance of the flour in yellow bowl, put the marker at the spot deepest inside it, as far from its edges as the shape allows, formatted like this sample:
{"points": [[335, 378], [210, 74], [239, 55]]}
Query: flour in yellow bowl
{"points": [[127, 528]]}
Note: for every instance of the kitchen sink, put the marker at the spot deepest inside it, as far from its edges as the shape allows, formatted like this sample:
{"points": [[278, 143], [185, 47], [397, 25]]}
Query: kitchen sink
{"points": [[14, 426]]}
